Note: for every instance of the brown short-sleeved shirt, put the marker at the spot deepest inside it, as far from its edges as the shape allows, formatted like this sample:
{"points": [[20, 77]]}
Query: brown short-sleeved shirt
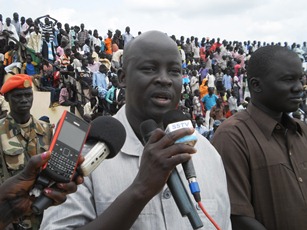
{"points": [[266, 167]]}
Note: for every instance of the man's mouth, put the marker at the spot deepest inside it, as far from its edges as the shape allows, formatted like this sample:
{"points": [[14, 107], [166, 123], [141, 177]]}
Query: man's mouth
{"points": [[161, 99]]}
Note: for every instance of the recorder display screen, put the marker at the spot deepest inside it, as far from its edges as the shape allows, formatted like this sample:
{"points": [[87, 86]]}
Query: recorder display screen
{"points": [[72, 136]]}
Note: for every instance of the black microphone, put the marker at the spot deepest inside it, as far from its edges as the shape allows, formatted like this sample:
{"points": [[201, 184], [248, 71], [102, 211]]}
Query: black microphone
{"points": [[105, 139], [174, 120], [174, 182]]}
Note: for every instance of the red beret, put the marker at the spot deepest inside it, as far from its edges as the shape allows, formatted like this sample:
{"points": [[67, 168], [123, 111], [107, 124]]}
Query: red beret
{"points": [[18, 81]]}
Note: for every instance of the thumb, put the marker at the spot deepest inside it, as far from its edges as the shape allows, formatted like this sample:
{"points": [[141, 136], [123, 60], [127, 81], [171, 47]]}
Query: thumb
{"points": [[34, 165]]}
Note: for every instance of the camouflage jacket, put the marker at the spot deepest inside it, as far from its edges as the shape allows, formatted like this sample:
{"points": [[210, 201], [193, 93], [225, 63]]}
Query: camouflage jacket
{"points": [[16, 148]]}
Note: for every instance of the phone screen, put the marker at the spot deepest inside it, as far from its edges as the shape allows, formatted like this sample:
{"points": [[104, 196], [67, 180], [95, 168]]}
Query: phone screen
{"points": [[72, 136]]}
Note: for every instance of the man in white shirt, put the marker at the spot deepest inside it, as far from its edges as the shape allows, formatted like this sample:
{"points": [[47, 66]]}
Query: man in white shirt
{"points": [[10, 29], [152, 78]]}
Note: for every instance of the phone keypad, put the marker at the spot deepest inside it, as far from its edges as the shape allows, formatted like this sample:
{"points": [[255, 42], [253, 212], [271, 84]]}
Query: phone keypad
{"points": [[63, 163]]}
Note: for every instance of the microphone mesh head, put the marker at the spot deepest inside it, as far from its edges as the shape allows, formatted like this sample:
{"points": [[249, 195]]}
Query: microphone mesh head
{"points": [[110, 131], [146, 128]]}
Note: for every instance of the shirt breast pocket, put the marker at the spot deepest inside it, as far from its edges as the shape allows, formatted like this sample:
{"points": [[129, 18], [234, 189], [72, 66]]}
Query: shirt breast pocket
{"points": [[13, 153]]}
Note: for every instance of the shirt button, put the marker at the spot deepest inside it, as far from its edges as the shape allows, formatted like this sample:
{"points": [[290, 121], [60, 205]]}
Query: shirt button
{"points": [[278, 127], [167, 194], [290, 153], [300, 179]]}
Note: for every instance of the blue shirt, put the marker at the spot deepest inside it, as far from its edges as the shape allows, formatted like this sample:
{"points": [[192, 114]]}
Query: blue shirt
{"points": [[99, 81], [209, 101], [227, 82], [30, 69]]}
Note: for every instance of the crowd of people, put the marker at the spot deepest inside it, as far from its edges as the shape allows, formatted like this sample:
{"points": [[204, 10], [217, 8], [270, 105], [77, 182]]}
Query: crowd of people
{"points": [[220, 85], [80, 67]]}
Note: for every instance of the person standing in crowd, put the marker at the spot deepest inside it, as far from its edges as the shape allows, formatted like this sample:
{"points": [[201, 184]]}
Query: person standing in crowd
{"points": [[194, 82], [152, 78], [118, 39], [127, 36], [48, 49], [57, 34], [197, 107], [96, 40], [233, 102], [264, 149], [65, 38], [227, 82], [21, 135], [196, 52], [16, 23], [108, 43], [27, 28], [35, 40], [10, 31], [203, 88], [82, 35], [47, 26], [209, 100], [211, 79]]}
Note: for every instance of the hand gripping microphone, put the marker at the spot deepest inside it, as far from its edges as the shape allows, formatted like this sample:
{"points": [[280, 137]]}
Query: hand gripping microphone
{"points": [[174, 182], [175, 120], [105, 139]]}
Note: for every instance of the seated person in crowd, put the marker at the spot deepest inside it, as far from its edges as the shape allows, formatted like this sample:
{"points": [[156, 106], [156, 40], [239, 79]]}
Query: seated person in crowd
{"points": [[68, 98]]}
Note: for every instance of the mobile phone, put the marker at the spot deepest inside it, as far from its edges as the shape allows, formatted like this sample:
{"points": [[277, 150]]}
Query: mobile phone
{"points": [[66, 145]]}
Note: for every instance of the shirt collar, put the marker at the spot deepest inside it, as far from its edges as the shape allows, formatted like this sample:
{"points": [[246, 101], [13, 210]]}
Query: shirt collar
{"points": [[14, 128], [267, 124], [132, 145]]}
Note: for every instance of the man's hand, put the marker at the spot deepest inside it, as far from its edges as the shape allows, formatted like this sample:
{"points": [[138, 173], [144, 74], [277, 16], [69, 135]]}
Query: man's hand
{"points": [[160, 157]]}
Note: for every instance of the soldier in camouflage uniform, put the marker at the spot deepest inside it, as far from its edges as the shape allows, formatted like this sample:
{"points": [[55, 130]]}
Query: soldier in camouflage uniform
{"points": [[21, 135]]}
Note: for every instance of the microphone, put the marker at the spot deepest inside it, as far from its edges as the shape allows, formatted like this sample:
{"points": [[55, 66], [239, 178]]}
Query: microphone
{"points": [[174, 182], [105, 139], [175, 120]]}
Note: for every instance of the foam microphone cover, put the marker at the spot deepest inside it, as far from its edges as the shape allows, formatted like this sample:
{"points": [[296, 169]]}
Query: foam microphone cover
{"points": [[110, 131], [173, 116], [146, 128]]}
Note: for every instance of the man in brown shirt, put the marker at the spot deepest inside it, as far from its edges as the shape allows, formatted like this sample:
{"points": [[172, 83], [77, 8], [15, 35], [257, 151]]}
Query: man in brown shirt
{"points": [[264, 150]]}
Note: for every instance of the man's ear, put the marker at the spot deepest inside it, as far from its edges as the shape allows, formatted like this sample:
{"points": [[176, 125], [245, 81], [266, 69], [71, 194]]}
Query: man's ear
{"points": [[121, 78], [255, 85]]}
